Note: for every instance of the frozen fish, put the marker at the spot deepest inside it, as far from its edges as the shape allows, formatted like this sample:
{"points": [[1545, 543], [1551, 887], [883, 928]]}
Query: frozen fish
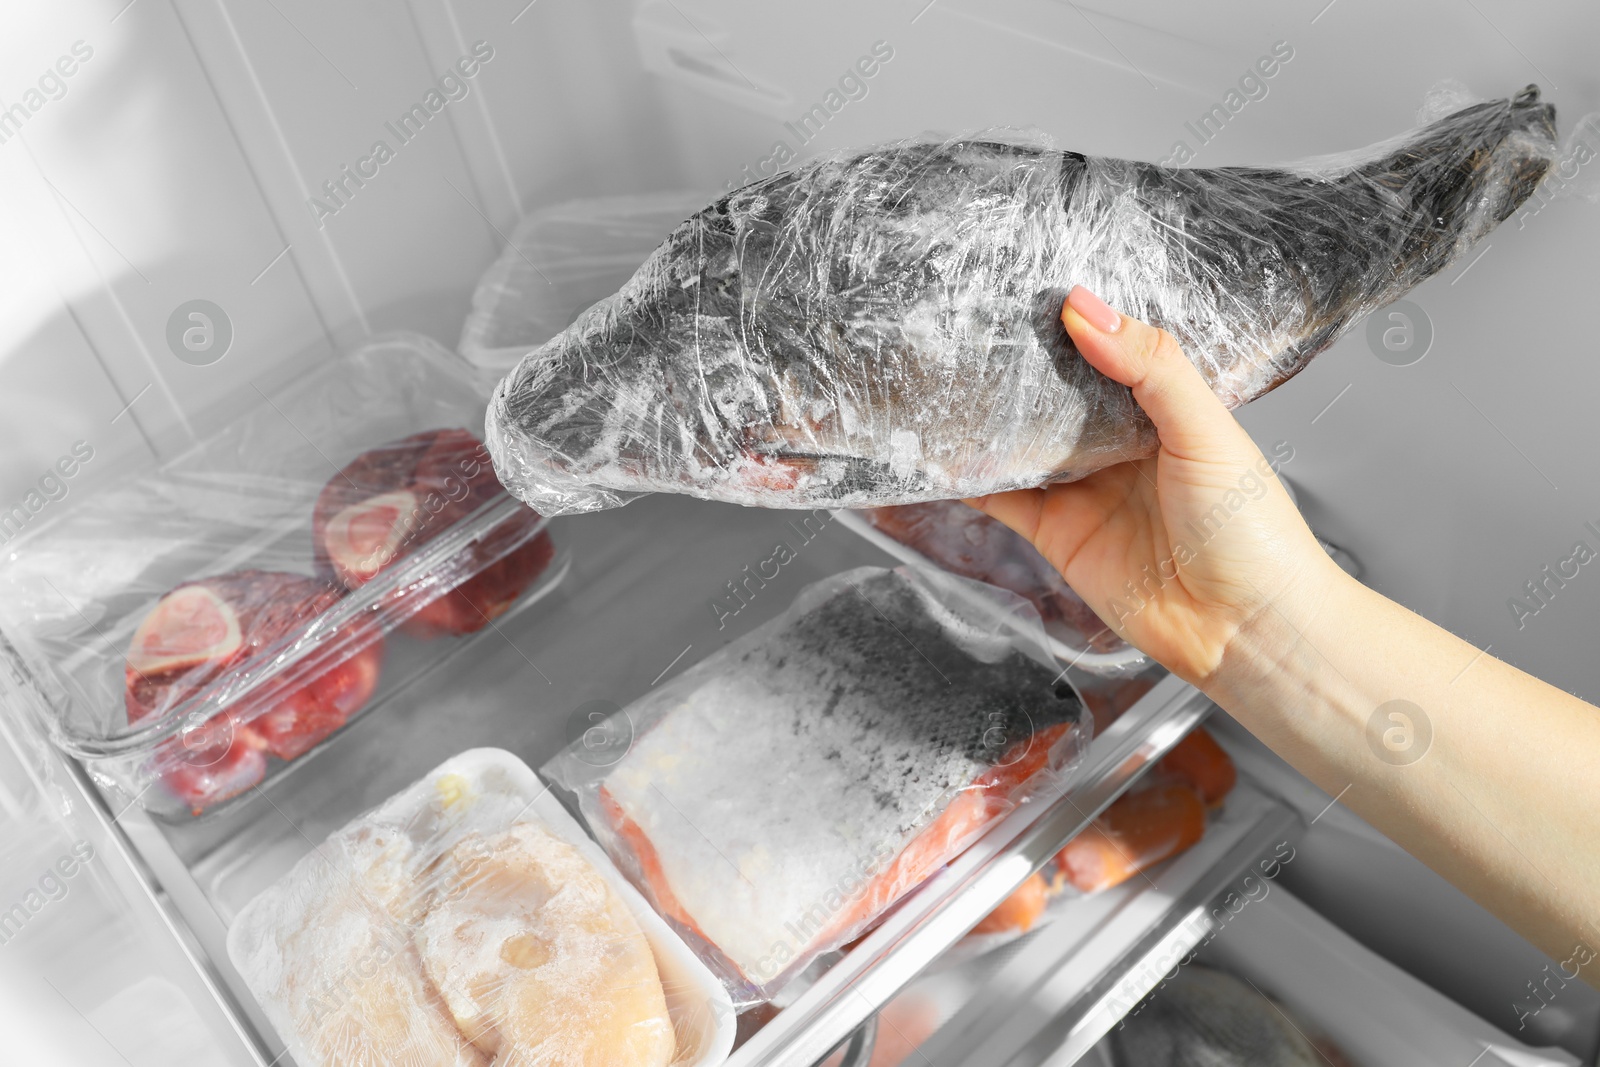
{"points": [[779, 797], [881, 326]]}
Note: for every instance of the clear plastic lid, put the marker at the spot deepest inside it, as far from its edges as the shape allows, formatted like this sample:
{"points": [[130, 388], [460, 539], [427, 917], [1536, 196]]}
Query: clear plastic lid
{"points": [[560, 260], [198, 624]]}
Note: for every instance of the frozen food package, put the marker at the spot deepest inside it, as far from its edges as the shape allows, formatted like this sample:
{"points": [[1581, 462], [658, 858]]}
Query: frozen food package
{"points": [[776, 798], [962, 540], [1140, 829], [468, 920], [1209, 1018], [391, 501], [559, 260], [1163, 815], [882, 326], [194, 628]]}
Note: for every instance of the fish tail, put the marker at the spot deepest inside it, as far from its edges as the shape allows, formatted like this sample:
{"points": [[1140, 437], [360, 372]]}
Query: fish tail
{"points": [[1459, 177]]}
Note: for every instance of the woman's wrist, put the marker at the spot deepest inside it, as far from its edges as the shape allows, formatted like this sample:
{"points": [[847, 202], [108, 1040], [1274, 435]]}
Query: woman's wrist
{"points": [[1284, 654]]}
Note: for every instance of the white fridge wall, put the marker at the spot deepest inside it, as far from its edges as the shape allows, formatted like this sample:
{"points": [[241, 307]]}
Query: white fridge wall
{"points": [[180, 161]]}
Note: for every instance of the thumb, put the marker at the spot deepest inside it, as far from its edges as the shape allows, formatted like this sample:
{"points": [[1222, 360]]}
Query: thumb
{"points": [[1191, 422]]}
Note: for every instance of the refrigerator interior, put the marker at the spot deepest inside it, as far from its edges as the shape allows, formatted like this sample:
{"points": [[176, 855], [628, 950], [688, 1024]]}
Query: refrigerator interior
{"points": [[203, 150]]}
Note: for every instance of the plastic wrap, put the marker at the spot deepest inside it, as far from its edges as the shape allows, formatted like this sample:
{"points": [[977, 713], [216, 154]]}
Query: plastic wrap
{"points": [[558, 261], [881, 326], [780, 795], [962, 540], [1207, 1018], [468, 920], [190, 630]]}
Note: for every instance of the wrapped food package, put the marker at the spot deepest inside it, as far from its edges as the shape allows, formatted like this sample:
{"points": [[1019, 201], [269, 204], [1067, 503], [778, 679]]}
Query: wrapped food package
{"points": [[468, 921], [191, 629], [1139, 830], [1159, 818], [1209, 1018], [389, 502], [206, 631], [962, 540], [780, 795], [882, 326]]}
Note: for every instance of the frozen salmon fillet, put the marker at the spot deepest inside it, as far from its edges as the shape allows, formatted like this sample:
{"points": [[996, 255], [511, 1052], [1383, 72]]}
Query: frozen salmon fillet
{"points": [[778, 797]]}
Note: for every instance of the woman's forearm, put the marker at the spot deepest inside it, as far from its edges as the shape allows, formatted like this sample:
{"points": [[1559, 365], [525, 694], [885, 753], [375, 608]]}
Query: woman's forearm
{"points": [[1486, 774]]}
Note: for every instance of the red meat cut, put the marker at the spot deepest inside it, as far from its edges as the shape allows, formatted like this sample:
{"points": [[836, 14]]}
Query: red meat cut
{"points": [[392, 501], [207, 630]]}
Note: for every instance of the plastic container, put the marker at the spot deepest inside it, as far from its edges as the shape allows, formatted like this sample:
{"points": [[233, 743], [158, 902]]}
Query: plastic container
{"points": [[558, 261], [444, 891], [1014, 565], [777, 798], [195, 628]]}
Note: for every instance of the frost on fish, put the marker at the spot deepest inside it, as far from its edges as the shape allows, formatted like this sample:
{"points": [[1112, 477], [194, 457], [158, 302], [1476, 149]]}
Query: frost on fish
{"points": [[780, 795], [881, 326]]}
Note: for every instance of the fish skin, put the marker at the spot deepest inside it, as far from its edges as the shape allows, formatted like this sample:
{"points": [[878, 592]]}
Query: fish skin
{"points": [[882, 326]]}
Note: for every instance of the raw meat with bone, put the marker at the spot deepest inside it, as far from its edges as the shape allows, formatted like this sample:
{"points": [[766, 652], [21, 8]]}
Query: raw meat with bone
{"points": [[390, 501], [202, 636]]}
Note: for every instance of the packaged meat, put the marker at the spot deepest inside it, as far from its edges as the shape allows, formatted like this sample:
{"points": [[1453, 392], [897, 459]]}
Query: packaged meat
{"points": [[881, 326], [1139, 830], [781, 794], [1202, 763], [961, 540], [967, 542], [389, 502], [1024, 907], [192, 629], [1159, 818], [467, 921], [207, 631]]}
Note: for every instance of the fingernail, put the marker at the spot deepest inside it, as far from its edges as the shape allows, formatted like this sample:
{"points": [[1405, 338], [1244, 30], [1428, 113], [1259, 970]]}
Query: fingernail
{"points": [[1094, 310]]}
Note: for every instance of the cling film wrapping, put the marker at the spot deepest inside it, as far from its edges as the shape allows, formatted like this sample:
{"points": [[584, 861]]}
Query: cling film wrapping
{"points": [[468, 921], [190, 628], [776, 799], [882, 326]]}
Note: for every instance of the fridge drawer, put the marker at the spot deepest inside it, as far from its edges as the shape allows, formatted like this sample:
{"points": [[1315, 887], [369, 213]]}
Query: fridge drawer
{"points": [[641, 602]]}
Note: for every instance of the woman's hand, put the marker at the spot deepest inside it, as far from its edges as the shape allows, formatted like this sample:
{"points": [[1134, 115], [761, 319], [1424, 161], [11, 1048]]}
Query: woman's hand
{"points": [[1199, 557], [1180, 552]]}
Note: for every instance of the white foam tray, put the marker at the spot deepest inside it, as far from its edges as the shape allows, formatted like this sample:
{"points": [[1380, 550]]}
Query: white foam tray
{"points": [[701, 1011]]}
